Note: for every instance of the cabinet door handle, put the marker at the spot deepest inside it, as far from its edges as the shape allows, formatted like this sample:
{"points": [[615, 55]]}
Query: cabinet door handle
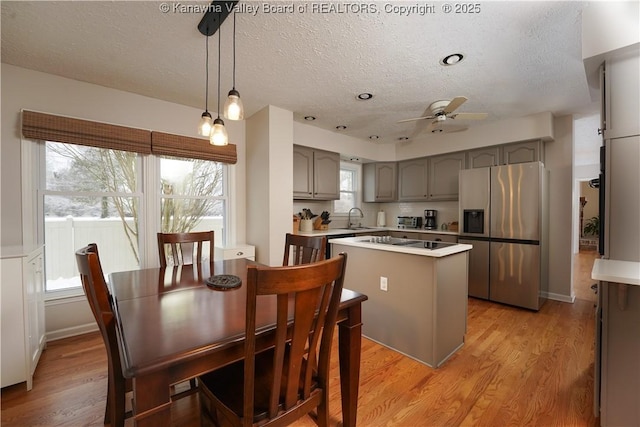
{"points": [[240, 253], [600, 131]]}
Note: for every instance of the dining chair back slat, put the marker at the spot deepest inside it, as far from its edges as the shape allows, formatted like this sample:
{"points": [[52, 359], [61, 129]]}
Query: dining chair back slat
{"points": [[184, 248], [299, 249]]}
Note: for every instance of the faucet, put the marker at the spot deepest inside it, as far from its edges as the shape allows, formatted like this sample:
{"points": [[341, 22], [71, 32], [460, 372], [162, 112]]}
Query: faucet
{"points": [[361, 216]]}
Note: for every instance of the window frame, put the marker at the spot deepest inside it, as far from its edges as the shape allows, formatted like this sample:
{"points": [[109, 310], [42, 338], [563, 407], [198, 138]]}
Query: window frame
{"points": [[149, 196], [356, 169]]}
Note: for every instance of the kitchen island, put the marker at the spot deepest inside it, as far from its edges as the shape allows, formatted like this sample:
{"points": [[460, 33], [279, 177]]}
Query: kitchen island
{"points": [[417, 293]]}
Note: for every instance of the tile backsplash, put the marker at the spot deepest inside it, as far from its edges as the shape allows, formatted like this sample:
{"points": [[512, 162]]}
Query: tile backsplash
{"points": [[447, 211]]}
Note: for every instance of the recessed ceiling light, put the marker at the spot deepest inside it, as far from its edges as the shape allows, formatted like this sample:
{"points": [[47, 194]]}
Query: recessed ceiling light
{"points": [[374, 137], [403, 138], [437, 131], [341, 127], [364, 96], [451, 59], [309, 118], [354, 159]]}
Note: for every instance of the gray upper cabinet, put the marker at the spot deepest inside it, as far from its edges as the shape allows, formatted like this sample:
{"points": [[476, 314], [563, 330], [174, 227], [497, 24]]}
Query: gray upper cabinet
{"points": [[302, 173], [380, 181], [443, 175], [522, 152], [483, 157], [316, 174], [622, 111], [412, 180]]}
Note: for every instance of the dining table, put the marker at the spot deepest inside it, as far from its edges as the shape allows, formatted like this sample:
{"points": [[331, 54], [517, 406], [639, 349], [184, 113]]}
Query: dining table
{"points": [[172, 326]]}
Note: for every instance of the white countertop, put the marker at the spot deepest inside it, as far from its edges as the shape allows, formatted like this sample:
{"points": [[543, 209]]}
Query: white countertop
{"points": [[363, 231], [611, 270], [363, 242]]}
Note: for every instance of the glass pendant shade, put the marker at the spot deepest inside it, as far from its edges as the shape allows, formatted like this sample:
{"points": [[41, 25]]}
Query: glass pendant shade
{"points": [[206, 123], [219, 133], [233, 108]]}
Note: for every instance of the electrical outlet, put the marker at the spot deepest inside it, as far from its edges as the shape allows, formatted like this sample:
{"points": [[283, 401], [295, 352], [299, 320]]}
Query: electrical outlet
{"points": [[383, 283]]}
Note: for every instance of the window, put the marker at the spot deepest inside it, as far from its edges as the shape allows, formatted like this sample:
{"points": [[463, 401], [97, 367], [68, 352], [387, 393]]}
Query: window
{"points": [[193, 196], [348, 189], [98, 195]]}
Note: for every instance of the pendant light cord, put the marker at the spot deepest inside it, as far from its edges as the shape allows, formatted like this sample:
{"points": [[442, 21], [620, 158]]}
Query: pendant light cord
{"points": [[234, 50], [219, 44], [206, 90]]}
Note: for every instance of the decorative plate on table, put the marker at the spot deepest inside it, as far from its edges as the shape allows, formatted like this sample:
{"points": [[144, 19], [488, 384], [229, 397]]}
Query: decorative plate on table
{"points": [[223, 282]]}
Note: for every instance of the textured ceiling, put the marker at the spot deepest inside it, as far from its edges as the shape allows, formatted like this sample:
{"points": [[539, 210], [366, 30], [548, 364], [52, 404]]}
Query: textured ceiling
{"points": [[521, 58]]}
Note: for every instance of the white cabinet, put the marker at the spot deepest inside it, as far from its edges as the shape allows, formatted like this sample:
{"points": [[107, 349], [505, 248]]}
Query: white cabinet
{"points": [[235, 252], [443, 175], [380, 181], [23, 329], [316, 174]]}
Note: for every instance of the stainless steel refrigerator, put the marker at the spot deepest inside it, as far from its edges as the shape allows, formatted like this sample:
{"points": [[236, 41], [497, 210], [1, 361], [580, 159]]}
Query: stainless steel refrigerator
{"points": [[504, 215]]}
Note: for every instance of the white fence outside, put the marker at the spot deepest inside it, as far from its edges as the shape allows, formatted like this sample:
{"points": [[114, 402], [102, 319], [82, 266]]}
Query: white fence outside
{"points": [[63, 236]]}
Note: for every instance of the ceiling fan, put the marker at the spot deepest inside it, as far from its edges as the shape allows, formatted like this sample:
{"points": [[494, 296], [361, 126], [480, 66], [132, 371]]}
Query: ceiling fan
{"points": [[440, 112]]}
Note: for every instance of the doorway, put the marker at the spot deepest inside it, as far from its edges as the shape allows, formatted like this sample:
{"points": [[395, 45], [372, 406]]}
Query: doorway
{"points": [[588, 223]]}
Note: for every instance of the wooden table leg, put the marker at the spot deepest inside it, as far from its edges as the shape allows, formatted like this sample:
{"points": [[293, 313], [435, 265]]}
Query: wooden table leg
{"points": [[349, 349], [152, 400]]}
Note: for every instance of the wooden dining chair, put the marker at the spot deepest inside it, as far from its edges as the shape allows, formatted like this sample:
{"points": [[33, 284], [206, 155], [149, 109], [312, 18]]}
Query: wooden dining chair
{"points": [[300, 249], [95, 288], [184, 248], [278, 386]]}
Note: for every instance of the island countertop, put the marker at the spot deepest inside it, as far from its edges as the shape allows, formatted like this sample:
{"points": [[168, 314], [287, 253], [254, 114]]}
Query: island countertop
{"points": [[367, 243]]}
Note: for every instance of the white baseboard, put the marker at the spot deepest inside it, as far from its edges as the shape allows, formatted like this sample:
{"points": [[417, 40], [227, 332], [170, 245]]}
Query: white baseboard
{"points": [[559, 297], [71, 332]]}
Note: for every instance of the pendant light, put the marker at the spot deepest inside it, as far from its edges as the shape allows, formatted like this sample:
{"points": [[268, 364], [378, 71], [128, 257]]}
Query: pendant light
{"points": [[204, 128], [219, 133], [233, 108]]}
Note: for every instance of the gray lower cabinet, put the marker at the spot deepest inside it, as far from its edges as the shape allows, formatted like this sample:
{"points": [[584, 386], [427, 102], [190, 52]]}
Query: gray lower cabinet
{"points": [[412, 180], [443, 175], [316, 174], [380, 181], [619, 355]]}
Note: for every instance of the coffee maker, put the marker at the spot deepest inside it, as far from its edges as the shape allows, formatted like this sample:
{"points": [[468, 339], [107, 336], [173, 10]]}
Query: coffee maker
{"points": [[430, 219]]}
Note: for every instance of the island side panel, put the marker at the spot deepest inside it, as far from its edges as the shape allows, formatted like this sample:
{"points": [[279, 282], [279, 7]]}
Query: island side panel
{"points": [[451, 294], [401, 318]]}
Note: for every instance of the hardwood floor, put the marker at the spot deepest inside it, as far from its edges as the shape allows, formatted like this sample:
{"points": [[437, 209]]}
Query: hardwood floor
{"points": [[516, 368], [582, 281]]}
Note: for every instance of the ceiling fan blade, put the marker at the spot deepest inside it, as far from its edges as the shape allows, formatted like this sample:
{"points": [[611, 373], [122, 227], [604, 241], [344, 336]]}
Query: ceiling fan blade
{"points": [[454, 128], [431, 127], [469, 116], [454, 104], [415, 119]]}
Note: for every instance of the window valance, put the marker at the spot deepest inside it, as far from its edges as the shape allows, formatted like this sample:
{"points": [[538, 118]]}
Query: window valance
{"points": [[49, 127], [195, 148]]}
